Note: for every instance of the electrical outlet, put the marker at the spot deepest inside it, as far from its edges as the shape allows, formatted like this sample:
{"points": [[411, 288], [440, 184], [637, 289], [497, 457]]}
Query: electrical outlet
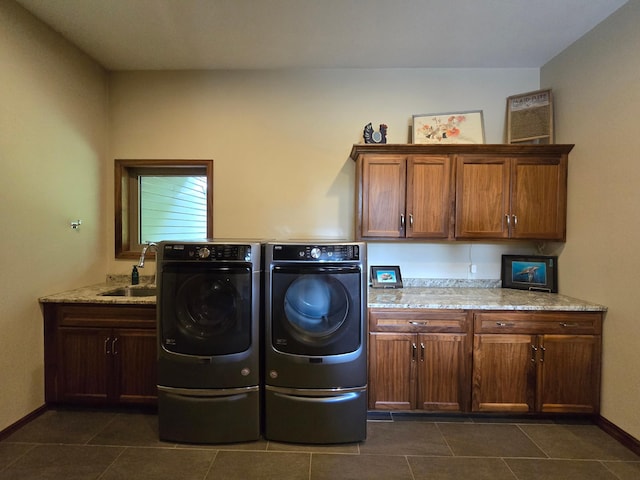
{"points": [[473, 268]]}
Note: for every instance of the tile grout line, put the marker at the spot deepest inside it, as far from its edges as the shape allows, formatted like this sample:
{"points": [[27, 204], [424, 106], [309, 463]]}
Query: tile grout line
{"points": [[444, 438], [539, 447], [509, 468], [213, 461], [112, 462]]}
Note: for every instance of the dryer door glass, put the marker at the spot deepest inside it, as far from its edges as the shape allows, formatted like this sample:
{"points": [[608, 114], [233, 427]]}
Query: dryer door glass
{"points": [[316, 311], [316, 306], [206, 312]]}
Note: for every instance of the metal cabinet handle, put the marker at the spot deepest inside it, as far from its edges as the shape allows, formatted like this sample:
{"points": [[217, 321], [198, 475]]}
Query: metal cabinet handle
{"points": [[411, 220], [107, 346], [508, 218], [505, 324], [421, 352], [515, 220], [414, 348], [114, 344], [564, 324], [402, 221], [542, 350], [420, 324], [534, 349]]}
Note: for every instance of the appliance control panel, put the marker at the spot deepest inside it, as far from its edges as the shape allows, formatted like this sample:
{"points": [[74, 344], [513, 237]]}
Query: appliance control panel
{"points": [[206, 252], [317, 253]]}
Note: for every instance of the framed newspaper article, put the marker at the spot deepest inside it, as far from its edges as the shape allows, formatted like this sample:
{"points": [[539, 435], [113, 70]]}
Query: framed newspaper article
{"points": [[530, 117]]}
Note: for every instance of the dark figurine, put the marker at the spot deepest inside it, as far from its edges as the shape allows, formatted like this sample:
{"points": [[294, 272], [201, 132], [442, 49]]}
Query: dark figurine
{"points": [[370, 136]]}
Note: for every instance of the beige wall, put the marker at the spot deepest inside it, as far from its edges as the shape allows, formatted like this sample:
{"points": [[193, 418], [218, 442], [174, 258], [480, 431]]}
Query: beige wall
{"points": [[52, 145], [596, 84], [281, 139]]}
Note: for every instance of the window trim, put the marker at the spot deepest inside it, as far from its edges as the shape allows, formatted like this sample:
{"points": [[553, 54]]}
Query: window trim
{"points": [[125, 170]]}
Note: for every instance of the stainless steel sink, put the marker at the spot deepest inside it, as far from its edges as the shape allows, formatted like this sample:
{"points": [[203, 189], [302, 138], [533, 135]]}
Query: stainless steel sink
{"points": [[131, 292]]}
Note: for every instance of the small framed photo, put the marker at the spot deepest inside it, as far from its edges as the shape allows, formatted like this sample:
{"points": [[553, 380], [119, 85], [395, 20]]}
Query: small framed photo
{"points": [[447, 128], [533, 272], [386, 277]]}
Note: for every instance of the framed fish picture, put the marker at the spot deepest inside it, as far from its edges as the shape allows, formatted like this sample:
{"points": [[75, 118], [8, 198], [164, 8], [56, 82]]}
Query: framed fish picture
{"points": [[386, 277], [533, 272]]}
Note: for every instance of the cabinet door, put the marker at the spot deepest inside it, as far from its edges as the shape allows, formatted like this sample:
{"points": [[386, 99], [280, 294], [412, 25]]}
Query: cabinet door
{"points": [[482, 197], [441, 370], [134, 356], [504, 373], [428, 197], [539, 198], [383, 196], [569, 373], [83, 364], [392, 359]]}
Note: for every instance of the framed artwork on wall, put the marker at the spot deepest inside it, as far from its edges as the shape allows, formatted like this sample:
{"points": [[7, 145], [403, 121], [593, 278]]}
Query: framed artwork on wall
{"points": [[447, 128], [532, 272], [386, 277], [530, 117]]}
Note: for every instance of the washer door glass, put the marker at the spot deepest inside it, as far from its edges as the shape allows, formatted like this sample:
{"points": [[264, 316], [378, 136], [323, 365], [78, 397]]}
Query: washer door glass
{"points": [[206, 312]]}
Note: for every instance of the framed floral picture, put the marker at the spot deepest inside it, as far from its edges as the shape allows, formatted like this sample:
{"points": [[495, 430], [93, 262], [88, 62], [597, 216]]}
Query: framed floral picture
{"points": [[447, 128]]}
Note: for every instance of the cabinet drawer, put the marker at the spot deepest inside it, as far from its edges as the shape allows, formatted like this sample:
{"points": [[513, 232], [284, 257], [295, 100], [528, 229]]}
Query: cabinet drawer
{"points": [[582, 323], [418, 321], [106, 316]]}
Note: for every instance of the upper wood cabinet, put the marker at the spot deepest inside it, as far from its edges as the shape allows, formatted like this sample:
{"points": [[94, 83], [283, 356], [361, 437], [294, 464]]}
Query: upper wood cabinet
{"points": [[461, 191], [520, 197], [404, 196]]}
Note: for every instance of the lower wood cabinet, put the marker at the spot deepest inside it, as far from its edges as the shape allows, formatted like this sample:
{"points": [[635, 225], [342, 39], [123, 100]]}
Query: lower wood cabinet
{"points": [[537, 362], [419, 360], [97, 354], [485, 361]]}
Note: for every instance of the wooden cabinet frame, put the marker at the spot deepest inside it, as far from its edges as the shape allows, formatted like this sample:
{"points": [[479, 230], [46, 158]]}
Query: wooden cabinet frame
{"points": [[419, 359], [405, 196], [512, 362], [449, 192], [100, 354], [542, 362], [519, 197]]}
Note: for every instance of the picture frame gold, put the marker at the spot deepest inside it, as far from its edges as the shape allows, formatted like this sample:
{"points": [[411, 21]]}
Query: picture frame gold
{"points": [[530, 117]]}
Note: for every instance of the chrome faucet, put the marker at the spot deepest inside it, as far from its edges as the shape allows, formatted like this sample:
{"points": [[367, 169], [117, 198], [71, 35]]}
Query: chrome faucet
{"points": [[144, 252]]}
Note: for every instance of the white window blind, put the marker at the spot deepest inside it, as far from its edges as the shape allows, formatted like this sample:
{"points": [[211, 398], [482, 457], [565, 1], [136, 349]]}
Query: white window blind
{"points": [[172, 207]]}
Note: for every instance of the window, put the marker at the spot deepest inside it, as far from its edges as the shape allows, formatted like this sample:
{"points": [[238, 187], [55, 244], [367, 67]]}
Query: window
{"points": [[161, 200]]}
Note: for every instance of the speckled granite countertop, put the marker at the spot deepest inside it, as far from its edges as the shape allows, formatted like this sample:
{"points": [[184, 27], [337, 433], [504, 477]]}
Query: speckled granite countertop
{"points": [[94, 294], [454, 294], [476, 299]]}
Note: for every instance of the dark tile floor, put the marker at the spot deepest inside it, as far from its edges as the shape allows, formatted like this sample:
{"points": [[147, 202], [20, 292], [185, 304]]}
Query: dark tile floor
{"points": [[99, 445]]}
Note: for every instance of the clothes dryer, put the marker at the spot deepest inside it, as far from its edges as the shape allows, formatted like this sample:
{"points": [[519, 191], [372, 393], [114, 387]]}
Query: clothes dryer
{"points": [[315, 342], [208, 341]]}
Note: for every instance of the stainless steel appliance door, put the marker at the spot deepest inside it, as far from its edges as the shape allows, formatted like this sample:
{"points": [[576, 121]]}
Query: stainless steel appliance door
{"points": [[206, 310], [316, 416]]}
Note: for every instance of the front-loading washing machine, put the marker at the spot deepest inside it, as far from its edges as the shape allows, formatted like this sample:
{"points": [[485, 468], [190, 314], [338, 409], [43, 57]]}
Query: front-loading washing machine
{"points": [[208, 341], [315, 349]]}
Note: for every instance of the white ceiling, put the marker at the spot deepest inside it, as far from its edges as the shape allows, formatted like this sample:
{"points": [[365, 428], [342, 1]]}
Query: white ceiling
{"points": [[256, 34]]}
